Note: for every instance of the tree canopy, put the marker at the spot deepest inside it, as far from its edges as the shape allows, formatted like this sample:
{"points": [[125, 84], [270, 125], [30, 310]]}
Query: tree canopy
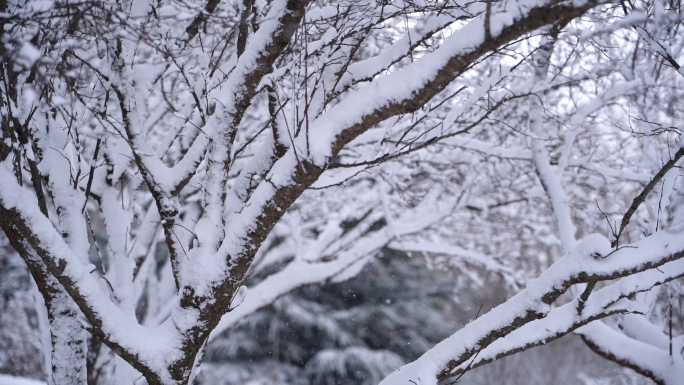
{"points": [[157, 155]]}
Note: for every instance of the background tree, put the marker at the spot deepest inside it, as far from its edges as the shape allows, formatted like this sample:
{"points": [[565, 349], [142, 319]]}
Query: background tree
{"points": [[353, 332], [156, 155], [19, 337]]}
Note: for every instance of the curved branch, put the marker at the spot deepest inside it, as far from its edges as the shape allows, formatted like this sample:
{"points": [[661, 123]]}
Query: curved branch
{"points": [[578, 266], [658, 365], [641, 198], [34, 237]]}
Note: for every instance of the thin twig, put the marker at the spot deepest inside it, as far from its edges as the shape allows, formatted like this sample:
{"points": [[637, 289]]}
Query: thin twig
{"points": [[641, 198], [92, 172]]}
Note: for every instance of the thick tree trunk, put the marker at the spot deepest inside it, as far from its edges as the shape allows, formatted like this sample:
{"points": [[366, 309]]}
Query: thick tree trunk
{"points": [[68, 338], [69, 348]]}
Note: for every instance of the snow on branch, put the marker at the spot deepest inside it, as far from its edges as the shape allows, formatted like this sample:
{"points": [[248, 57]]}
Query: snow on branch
{"points": [[591, 260], [33, 234], [644, 358]]}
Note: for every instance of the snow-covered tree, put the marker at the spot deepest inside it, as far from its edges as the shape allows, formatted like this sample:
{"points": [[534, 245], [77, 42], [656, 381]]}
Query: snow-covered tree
{"points": [[20, 353], [157, 154], [354, 332]]}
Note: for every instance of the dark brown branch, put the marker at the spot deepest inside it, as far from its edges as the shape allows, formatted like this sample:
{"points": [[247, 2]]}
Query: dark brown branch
{"points": [[201, 18], [167, 212], [215, 305], [530, 345], [37, 182], [429, 142], [92, 173], [638, 200], [623, 362], [305, 174], [243, 29], [585, 296], [581, 322], [47, 269], [263, 65], [641, 198]]}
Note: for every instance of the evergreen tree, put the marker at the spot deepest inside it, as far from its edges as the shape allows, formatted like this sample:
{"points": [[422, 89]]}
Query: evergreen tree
{"points": [[398, 307], [355, 332]]}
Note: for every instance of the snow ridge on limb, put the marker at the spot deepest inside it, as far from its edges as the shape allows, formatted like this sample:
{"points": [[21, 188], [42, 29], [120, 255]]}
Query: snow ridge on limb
{"points": [[564, 319], [292, 174], [410, 88], [300, 273], [420, 81], [591, 260], [221, 128], [231, 104], [199, 309], [644, 358], [32, 234], [209, 282]]}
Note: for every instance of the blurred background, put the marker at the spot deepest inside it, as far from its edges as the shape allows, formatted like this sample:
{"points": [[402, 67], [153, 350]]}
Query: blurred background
{"points": [[354, 332]]}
